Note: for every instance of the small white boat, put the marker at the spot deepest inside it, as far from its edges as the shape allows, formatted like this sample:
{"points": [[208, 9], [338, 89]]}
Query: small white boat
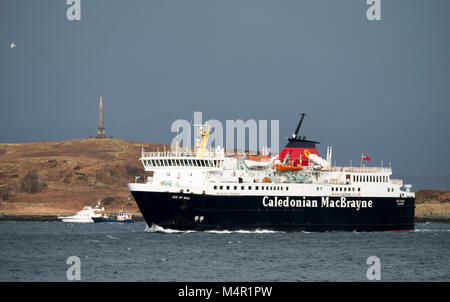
{"points": [[85, 215]]}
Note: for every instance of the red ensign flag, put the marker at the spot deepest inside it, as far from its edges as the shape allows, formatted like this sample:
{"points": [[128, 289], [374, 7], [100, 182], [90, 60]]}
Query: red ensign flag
{"points": [[365, 157]]}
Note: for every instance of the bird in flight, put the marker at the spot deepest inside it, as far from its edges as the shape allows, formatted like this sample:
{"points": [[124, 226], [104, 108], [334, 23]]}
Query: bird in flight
{"points": [[12, 45]]}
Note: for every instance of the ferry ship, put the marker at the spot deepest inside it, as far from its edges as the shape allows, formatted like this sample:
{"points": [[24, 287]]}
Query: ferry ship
{"points": [[296, 190]]}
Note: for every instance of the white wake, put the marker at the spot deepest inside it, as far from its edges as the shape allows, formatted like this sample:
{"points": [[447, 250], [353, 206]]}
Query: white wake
{"points": [[157, 229]]}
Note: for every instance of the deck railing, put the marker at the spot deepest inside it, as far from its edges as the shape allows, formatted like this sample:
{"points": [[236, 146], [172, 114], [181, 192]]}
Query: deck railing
{"points": [[354, 169], [206, 154], [397, 182]]}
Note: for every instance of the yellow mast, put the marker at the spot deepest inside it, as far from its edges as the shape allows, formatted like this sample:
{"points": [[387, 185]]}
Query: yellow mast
{"points": [[201, 145]]}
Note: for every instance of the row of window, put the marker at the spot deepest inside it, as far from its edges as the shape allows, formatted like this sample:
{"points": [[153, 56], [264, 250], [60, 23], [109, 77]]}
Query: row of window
{"points": [[269, 188], [208, 163], [344, 189], [281, 188], [370, 178]]}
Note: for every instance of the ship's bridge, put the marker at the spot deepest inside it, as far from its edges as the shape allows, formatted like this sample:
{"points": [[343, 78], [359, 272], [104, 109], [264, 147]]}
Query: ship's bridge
{"points": [[208, 159]]}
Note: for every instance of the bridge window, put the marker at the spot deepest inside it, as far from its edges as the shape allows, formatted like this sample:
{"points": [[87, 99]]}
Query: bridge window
{"points": [[249, 187], [242, 188]]}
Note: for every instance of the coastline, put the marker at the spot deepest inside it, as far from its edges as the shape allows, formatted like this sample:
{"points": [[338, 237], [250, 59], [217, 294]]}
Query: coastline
{"points": [[42, 180], [139, 218], [44, 218]]}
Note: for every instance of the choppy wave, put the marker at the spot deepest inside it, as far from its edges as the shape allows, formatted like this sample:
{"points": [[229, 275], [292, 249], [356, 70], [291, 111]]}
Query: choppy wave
{"points": [[257, 231], [430, 230], [157, 229]]}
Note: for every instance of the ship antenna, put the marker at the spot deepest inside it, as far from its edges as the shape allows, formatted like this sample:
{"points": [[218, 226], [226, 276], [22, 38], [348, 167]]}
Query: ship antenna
{"points": [[294, 135]]}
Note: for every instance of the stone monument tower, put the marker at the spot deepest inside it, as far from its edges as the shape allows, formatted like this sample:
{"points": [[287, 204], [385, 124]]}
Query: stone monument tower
{"points": [[101, 126]]}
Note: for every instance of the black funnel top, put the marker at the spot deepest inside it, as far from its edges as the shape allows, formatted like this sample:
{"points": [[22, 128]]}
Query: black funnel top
{"points": [[297, 141]]}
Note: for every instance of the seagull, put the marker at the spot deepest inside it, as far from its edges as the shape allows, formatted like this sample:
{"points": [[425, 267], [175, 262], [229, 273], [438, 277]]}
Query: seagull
{"points": [[12, 45]]}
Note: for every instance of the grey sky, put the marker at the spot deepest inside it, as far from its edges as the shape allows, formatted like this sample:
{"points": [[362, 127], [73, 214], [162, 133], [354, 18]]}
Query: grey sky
{"points": [[378, 87]]}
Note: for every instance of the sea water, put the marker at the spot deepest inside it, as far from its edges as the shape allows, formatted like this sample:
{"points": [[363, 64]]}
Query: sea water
{"points": [[38, 251]]}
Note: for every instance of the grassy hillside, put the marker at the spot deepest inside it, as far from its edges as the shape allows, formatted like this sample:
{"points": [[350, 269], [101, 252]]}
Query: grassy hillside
{"points": [[433, 205], [53, 178]]}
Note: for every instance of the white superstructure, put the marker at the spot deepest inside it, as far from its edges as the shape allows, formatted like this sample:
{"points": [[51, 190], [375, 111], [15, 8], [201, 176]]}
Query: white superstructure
{"points": [[212, 172]]}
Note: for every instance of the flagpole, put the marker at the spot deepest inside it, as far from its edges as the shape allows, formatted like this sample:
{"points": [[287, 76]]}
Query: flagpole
{"points": [[360, 165]]}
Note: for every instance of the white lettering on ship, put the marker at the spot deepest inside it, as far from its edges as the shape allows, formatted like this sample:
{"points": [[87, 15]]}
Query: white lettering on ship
{"points": [[326, 202]]}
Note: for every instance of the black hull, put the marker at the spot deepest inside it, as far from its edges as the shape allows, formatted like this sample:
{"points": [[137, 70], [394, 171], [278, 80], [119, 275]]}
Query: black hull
{"points": [[210, 212]]}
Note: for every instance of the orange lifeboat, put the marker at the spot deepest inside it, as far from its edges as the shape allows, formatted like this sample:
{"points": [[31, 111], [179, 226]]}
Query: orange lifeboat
{"points": [[287, 167], [259, 158]]}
